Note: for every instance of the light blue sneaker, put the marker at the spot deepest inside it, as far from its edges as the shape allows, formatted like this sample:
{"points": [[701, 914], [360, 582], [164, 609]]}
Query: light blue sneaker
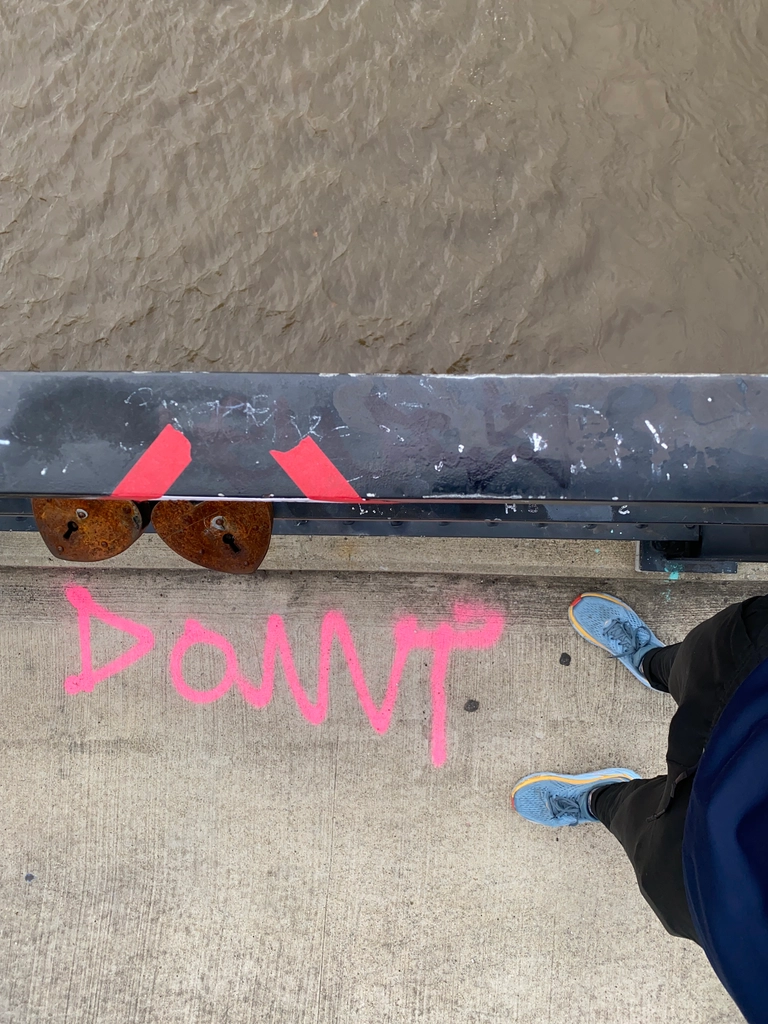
{"points": [[554, 800], [609, 623]]}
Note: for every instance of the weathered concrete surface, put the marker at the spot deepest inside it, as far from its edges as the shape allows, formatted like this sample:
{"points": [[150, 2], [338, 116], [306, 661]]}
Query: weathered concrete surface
{"points": [[223, 864], [459, 556]]}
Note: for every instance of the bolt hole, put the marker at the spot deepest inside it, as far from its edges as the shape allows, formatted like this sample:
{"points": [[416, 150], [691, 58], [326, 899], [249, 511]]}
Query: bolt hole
{"points": [[72, 527], [229, 540], [81, 513]]}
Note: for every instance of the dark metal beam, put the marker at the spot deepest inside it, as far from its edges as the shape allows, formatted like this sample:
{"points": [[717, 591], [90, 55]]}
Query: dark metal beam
{"points": [[679, 463], [701, 441]]}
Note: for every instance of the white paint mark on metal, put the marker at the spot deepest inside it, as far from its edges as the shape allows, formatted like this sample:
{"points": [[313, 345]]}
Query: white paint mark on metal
{"points": [[538, 442], [591, 409], [654, 431]]}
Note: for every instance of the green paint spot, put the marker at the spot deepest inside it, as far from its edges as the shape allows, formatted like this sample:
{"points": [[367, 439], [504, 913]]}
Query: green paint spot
{"points": [[674, 575], [597, 551]]}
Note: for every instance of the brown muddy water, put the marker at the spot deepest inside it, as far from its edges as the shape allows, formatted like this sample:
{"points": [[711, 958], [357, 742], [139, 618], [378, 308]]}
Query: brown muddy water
{"points": [[497, 186]]}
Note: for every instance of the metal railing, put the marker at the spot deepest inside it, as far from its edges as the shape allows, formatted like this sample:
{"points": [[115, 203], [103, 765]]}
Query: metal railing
{"points": [[679, 464]]}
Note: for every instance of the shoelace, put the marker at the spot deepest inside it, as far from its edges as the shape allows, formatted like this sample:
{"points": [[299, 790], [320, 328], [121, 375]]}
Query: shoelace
{"points": [[560, 805], [628, 638]]}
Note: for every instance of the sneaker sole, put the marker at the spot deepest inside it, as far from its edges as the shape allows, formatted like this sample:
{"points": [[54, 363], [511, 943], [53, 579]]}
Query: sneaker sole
{"points": [[588, 636]]}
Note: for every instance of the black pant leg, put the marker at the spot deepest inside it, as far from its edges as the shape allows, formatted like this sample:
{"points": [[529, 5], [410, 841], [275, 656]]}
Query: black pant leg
{"points": [[655, 848], [647, 816], [714, 658], [657, 665]]}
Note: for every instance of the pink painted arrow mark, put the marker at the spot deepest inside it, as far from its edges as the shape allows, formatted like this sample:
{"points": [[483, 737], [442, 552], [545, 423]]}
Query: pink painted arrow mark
{"points": [[314, 473]]}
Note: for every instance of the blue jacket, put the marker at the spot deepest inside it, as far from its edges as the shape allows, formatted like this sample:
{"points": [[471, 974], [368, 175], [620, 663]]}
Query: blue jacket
{"points": [[725, 847]]}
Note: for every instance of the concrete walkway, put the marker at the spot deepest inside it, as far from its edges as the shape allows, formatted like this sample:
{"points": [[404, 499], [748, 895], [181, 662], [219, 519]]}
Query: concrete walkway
{"points": [[170, 860]]}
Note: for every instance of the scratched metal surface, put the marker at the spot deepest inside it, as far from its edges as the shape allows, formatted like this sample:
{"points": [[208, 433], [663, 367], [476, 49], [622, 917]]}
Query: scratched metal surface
{"points": [[584, 438]]}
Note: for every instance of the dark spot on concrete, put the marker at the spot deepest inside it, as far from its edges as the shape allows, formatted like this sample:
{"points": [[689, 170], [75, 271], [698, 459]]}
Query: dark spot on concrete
{"points": [[565, 659], [472, 705], [29, 878]]}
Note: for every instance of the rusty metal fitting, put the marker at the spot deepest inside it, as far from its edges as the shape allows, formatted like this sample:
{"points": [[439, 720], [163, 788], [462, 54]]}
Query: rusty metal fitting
{"points": [[228, 536], [89, 529]]}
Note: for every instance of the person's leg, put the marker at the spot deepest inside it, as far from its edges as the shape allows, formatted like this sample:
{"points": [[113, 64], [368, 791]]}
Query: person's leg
{"points": [[710, 663], [625, 804], [713, 651], [654, 847], [657, 665], [701, 673], [647, 816]]}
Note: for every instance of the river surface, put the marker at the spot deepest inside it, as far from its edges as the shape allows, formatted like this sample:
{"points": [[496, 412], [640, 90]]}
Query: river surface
{"points": [[496, 186]]}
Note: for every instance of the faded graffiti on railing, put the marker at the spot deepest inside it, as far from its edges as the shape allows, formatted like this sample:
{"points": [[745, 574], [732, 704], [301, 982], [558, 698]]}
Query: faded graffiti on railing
{"points": [[472, 627]]}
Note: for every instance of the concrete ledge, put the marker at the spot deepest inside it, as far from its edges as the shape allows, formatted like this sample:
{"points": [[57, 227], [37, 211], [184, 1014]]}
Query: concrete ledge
{"points": [[169, 861], [456, 556]]}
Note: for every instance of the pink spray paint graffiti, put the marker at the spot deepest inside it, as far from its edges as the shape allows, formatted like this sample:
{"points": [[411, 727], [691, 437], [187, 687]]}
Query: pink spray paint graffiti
{"points": [[445, 639], [473, 627], [87, 608]]}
